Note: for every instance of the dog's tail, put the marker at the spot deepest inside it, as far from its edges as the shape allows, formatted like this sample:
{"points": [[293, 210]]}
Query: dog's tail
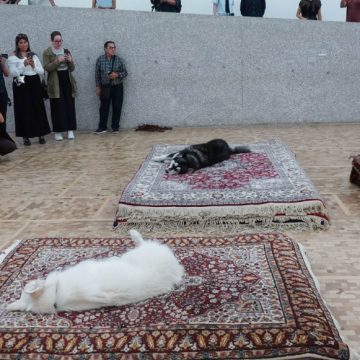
{"points": [[240, 149], [136, 236]]}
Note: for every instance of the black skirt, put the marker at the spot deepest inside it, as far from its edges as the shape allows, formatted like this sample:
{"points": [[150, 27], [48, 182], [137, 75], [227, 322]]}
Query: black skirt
{"points": [[29, 109], [63, 114]]}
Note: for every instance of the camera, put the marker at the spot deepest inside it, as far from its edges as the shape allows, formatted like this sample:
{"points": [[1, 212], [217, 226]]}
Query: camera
{"points": [[5, 56]]}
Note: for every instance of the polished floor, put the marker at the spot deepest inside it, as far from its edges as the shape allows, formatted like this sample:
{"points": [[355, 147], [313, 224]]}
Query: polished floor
{"points": [[71, 188]]}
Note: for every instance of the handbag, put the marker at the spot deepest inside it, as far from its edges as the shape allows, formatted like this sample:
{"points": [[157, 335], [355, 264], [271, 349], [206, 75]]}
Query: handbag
{"points": [[44, 89], [105, 89], [355, 171]]}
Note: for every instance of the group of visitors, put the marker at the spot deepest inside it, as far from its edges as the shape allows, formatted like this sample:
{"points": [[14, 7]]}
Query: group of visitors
{"points": [[30, 90], [307, 10]]}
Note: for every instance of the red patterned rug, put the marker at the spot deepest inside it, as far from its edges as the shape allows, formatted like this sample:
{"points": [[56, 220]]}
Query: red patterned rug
{"points": [[264, 188], [247, 296]]}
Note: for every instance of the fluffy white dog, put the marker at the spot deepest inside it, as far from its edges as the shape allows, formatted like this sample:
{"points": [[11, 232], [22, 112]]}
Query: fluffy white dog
{"points": [[148, 270]]}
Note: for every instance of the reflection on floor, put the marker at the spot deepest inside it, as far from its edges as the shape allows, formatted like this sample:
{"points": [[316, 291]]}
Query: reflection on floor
{"points": [[71, 188]]}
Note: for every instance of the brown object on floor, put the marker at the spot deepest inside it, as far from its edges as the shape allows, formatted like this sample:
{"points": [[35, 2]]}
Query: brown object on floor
{"points": [[149, 127], [355, 171]]}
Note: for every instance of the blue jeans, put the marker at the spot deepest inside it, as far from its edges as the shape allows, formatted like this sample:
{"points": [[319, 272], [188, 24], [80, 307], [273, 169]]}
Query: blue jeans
{"points": [[116, 98]]}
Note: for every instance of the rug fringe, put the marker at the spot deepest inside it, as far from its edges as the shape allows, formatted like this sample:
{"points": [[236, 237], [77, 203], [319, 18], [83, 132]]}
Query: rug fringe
{"points": [[305, 215], [353, 354], [5, 252]]}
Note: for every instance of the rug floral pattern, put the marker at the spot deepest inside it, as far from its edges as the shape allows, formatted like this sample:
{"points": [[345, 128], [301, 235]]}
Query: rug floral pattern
{"points": [[266, 186], [246, 296]]}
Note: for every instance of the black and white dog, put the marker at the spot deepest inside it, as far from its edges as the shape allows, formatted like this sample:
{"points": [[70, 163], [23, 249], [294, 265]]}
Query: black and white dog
{"points": [[195, 157]]}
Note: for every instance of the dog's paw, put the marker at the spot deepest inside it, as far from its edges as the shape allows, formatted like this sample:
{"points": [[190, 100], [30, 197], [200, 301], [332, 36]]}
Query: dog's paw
{"points": [[160, 158]]}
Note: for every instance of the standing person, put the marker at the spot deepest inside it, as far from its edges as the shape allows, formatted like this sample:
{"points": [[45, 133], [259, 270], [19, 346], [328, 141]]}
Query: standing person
{"points": [[7, 144], [4, 71], [109, 73], [42, 2], [166, 5], [29, 109], [104, 4], [255, 8], [62, 89], [223, 7], [352, 10], [309, 10]]}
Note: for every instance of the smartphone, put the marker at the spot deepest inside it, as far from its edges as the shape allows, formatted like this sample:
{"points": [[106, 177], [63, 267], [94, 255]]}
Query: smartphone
{"points": [[30, 55], [66, 52], [5, 56]]}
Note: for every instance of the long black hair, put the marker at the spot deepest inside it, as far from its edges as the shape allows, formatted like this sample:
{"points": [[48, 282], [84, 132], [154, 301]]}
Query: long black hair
{"points": [[17, 39]]}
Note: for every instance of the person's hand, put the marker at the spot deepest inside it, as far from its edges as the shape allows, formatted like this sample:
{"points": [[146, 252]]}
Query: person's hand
{"points": [[68, 58], [29, 61], [61, 59], [113, 75], [1, 118], [98, 90]]}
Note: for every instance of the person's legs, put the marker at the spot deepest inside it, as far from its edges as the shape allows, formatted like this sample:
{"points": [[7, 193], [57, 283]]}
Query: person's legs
{"points": [[117, 101], [104, 114]]}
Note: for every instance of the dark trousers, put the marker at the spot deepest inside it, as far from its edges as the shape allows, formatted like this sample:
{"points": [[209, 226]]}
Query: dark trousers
{"points": [[3, 110], [116, 98]]}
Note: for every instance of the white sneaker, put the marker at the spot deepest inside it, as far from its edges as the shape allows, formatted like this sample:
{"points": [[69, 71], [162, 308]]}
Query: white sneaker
{"points": [[71, 135], [58, 137]]}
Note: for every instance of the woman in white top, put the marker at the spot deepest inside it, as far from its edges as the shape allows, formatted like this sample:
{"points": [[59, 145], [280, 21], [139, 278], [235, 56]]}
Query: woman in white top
{"points": [[29, 109]]}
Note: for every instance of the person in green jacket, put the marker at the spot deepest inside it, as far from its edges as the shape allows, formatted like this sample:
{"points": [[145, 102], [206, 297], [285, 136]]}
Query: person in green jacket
{"points": [[62, 89]]}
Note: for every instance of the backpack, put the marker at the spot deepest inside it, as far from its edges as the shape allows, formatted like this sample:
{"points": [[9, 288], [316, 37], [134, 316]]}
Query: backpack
{"points": [[157, 6]]}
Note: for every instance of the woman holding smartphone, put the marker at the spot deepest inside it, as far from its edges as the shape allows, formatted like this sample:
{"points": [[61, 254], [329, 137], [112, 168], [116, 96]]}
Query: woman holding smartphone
{"points": [[29, 109], [59, 64]]}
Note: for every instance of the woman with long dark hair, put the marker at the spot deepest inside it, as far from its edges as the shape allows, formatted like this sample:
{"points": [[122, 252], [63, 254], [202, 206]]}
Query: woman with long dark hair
{"points": [[59, 64], [29, 109], [309, 10]]}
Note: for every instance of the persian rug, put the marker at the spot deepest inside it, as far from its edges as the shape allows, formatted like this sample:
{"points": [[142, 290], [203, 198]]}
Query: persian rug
{"points": [[247, 296], [264, 188]]}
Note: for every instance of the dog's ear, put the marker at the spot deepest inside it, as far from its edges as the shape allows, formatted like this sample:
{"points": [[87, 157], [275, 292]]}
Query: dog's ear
{"points": [[35, 288]]}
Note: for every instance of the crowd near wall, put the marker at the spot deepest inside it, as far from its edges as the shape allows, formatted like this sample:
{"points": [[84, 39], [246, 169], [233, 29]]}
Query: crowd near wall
{"points": [[194, 70]]}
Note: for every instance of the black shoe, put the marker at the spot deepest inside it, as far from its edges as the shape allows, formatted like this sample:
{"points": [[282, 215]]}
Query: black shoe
{"points": [[42, 140], [115, 131], [100, 131], [27, 141]]}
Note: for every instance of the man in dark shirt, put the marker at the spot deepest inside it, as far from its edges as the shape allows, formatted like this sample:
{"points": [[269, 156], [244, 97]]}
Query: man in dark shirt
{"points": [[254, 8], [168, 6]]}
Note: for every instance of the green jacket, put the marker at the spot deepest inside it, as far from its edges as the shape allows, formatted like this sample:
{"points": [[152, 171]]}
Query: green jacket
{"points": [[50, 65]]}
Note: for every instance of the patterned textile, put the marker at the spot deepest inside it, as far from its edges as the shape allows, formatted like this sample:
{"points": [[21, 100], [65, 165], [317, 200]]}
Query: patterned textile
{"points": [[266, 187], [247, 296]]}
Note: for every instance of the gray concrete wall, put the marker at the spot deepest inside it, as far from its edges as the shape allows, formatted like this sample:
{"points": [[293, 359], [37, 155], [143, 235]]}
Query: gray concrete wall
{"points": [[188, 70]]}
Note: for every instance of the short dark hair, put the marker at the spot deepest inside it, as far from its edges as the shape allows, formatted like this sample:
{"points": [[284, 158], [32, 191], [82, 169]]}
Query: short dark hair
{"points": [[107, 43], [55, 33]]}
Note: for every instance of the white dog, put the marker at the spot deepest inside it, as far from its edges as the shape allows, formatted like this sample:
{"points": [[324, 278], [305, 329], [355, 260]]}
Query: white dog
{"points": [[148, 270]]}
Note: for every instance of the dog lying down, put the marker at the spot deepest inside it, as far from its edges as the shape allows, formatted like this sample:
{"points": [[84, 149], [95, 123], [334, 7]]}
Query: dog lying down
{"points": [[148, 270], [195, 157]]}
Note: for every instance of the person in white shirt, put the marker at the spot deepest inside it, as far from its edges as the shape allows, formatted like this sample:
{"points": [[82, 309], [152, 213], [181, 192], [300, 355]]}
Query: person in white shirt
{"points": [[104, 4], [29, 109], [223, 7]]}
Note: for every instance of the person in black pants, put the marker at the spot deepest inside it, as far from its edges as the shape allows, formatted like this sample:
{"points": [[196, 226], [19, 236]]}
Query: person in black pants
{"points": [[7, 144], [109, 73]]}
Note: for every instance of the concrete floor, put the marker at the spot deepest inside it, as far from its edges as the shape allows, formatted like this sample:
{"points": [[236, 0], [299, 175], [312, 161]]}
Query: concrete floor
{"points": [[71, 188]]}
